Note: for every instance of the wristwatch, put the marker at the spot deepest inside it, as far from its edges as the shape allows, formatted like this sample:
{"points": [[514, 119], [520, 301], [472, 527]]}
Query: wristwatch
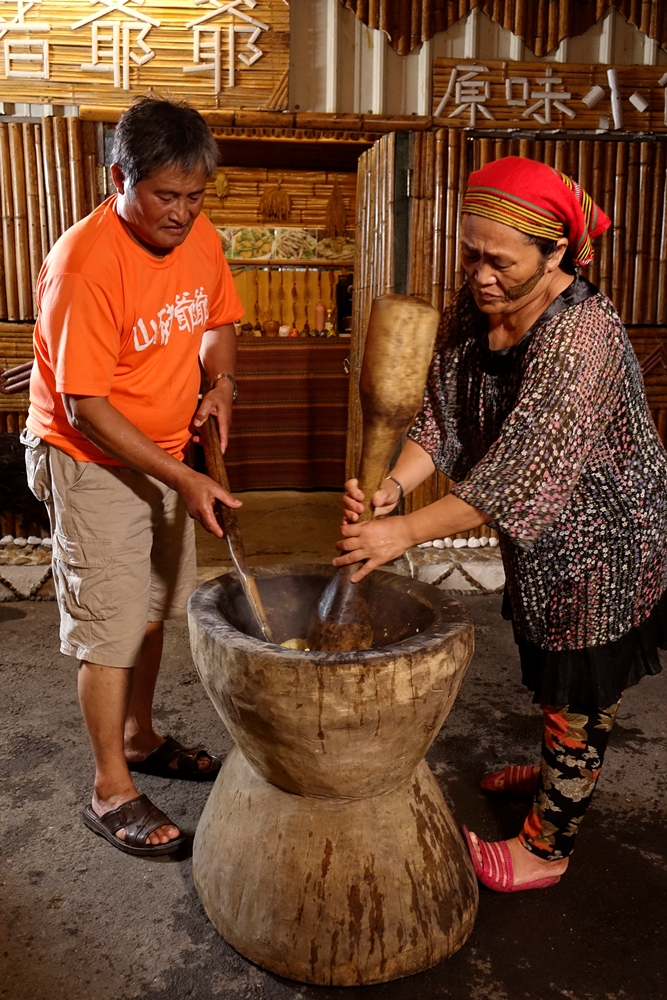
{"points": [[214, 382]]}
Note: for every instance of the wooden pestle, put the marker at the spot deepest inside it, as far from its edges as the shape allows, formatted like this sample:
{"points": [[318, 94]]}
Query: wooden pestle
{"points": [[397, 354], [226, 517]]}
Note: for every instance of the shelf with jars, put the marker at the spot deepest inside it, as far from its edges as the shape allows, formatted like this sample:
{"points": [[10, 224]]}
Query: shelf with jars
{"points": [[284, 300]]}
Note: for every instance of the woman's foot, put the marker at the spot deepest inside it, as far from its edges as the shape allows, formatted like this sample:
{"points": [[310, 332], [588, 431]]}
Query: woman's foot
{"points": [[506, 866]]}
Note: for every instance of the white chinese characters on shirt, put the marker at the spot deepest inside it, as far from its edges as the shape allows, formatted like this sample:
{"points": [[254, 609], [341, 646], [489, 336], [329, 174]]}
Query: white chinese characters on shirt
{"points": [[190, 312]]}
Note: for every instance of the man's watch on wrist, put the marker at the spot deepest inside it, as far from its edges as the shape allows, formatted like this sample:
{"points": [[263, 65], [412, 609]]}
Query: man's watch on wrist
{"points": [[214, 382]]}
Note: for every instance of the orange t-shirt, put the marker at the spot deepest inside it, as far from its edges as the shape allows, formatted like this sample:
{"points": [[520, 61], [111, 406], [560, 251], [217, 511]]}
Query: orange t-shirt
{"points": [[116, 321]]}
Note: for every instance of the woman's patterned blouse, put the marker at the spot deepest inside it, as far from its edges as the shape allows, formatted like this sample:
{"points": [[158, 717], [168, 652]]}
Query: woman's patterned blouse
{"points": [[553, 438]]}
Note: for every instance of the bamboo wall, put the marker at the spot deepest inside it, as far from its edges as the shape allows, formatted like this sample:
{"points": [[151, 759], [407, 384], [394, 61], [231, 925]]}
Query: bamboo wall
{"points": [[309, 192], [49, 179]]}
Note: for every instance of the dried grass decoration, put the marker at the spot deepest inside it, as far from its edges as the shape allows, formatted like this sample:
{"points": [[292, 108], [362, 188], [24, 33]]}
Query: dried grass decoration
{"points": [[275, 204], [334, 218], [221, 184]]}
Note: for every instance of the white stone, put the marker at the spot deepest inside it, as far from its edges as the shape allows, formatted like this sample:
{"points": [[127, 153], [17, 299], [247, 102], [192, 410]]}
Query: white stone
{"points": [[34, 540], [473, 543], [25, 580], [21, 542], [483, 541], [448, 543], [488, 573], [433, 572], [47, 543], [438, 543], [457, 581], [6, 540], [425, 545], [493, 542], [460, 543]]}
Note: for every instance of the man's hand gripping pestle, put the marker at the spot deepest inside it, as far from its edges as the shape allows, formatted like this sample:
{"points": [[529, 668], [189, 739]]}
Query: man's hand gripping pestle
{"points": [[226, 517], [397, 354]]}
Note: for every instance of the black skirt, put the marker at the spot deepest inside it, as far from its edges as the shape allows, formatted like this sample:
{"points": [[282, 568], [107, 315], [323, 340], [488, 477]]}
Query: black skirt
{"points": [[595, 676]]}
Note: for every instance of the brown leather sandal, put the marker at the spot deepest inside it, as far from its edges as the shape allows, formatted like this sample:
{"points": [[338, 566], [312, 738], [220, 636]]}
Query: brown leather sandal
{"points": [[139, 817], [187, 762]]}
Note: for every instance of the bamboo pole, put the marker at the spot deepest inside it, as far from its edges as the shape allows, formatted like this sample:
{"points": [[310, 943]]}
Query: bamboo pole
{"points": [[655, 232], [8, 236], [62, 173], [661, 309], [637, 306], [526, 149], [631, 230], [606, 242], [618, 217], [596, 192], [51, 181], [3, 290], [451, 213], [34, 226], [43, 218], [90, 166], [20, 220], [74, 142], [439, 195]]}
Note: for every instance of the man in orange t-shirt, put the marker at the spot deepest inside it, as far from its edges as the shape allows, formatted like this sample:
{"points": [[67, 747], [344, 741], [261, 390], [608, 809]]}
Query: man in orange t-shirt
{"points": [[130, 300]]}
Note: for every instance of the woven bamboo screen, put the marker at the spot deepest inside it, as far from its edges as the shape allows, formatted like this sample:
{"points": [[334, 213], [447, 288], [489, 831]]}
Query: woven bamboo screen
{"points": [[626, 178], [542, 24]]}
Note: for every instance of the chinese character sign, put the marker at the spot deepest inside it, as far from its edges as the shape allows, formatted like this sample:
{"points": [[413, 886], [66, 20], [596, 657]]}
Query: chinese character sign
{"points": [[215, 53], [534, 95]]}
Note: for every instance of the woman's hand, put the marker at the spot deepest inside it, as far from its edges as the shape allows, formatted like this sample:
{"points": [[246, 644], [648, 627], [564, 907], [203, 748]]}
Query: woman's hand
{"points": [[382, 502], [377, 542]]}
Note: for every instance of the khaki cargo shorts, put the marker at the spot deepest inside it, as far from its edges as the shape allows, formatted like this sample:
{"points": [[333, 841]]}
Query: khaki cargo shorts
{"points": [[123, 552]]}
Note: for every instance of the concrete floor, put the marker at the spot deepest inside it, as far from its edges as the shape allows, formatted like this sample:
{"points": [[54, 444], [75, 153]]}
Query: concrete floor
{"points": [[81, 921]]}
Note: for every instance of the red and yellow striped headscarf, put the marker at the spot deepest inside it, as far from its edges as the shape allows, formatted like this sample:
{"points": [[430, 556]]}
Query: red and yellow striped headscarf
{"points": [[536, 199]]}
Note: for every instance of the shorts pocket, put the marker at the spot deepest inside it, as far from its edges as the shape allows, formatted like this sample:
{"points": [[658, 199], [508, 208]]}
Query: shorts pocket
{"points": [[37, 465], [82, 575]]}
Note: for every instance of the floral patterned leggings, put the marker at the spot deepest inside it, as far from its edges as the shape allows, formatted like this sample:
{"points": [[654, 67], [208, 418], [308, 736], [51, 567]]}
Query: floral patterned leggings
{"points": [[573, 745]]}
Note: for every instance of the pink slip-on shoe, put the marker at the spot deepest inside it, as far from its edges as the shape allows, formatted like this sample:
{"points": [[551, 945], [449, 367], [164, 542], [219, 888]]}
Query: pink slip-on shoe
{"points": [[496, 870], [514, 779]]}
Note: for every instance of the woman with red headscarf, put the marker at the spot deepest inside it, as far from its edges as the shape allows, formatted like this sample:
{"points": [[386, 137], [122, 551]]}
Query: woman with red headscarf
{"points": [[535, 407]]}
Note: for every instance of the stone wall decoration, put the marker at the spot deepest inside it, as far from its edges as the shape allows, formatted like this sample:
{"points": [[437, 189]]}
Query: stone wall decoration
{"points": [[102, 52]]}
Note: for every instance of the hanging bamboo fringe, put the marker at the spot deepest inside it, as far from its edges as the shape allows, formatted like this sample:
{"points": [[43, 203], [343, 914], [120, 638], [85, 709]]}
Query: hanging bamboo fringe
{"points": [[275, 204], [542, 24], [335, 217]]}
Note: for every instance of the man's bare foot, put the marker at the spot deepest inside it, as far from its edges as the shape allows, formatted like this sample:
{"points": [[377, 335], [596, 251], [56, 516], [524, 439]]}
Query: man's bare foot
{"points": [[527, 867], [100, 806]]}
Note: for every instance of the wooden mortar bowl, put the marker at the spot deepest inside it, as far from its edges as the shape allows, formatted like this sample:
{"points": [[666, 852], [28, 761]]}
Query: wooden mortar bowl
{"points": [[326, 803]]}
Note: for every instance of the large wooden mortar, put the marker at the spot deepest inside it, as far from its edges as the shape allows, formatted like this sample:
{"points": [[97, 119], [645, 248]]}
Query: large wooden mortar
{"points": [[326, 852]]}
